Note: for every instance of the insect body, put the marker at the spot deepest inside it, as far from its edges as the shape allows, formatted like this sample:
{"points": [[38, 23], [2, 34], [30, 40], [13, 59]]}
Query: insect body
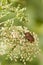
{"points": [[29, 37]]}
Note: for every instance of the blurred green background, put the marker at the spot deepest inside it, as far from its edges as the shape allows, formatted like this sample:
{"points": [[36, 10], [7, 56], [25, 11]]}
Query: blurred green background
{"points": [[35, 16]]}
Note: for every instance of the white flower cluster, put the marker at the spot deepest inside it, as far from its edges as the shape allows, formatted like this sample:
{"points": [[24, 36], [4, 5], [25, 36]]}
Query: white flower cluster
{"points": [[17, 11], [16, 46]]}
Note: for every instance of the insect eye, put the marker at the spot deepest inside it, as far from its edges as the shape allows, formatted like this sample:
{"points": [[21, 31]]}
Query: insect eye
{"points": [[29, 37]]}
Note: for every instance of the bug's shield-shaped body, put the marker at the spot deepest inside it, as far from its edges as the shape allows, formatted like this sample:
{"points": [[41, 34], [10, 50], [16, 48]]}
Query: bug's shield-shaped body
{"points": [[29, 37]]}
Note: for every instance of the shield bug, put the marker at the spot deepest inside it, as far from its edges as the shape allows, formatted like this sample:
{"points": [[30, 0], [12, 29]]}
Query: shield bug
{"points": [[29, 37]]}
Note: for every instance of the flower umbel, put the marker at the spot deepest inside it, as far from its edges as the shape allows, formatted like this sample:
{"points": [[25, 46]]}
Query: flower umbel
{"points": [[16, 46]]}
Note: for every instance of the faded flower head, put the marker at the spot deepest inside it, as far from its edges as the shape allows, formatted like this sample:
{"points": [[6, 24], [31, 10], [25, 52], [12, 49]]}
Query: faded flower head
{"points": [[16, 45]]}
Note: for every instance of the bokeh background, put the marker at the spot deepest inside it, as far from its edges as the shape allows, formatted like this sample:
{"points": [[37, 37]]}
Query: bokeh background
{"points": [[35, 16]]}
